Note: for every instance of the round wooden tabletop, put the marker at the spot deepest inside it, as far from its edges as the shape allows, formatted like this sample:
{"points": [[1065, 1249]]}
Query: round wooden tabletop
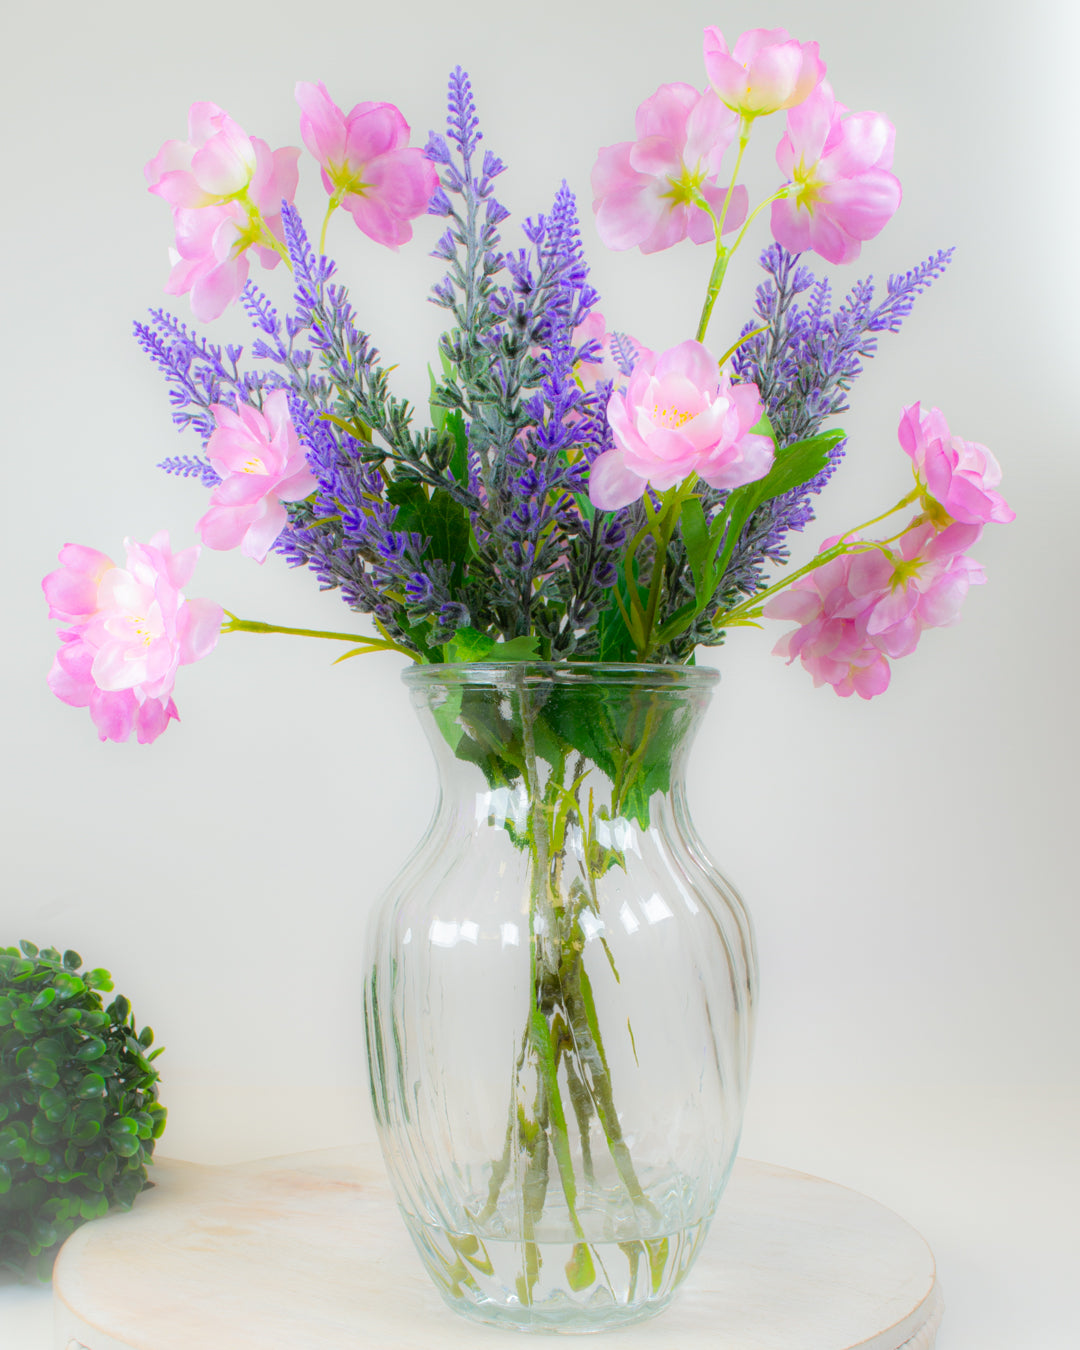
{"points": [[309, 1253]]}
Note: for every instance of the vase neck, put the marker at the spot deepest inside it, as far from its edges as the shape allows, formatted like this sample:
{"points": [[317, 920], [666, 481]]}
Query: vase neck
{"points": [[592, 742]]}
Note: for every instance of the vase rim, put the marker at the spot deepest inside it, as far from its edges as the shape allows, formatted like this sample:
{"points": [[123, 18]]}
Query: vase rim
{"points": [[510, 674]]}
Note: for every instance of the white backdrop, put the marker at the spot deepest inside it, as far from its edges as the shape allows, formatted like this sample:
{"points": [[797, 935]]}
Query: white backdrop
{"points": [[910, 862]]}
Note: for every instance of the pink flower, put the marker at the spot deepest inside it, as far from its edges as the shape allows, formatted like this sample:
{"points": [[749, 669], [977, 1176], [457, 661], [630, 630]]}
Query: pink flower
{"points": [[861, 608], [959, 475], [831, 640], [262, 464], [679, 416], [923, 588], [226, 190], [215, 163], [645, 191], [839, 167], [130, 630], [766, 72], [367, 166]]}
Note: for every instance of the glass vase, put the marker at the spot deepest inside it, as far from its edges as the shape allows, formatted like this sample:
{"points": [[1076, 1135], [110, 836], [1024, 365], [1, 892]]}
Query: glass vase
{"points": [[559, 995]]}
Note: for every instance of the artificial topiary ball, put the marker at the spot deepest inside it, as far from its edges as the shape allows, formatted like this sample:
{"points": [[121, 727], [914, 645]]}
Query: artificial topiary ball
{"points": [[79, 1112]]}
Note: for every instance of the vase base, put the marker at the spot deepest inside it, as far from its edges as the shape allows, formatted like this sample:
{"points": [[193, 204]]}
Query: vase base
{"points": [[545, 1286]]}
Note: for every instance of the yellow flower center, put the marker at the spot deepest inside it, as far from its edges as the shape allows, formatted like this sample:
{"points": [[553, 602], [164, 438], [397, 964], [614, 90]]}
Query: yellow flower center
{"points": [[904, 570], [807, 185], [253, 465], [142, 629], [683, 191], [670, 417]]}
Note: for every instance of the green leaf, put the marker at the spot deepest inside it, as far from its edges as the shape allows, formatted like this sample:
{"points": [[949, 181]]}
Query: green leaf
{"points": [[438, 412], [91, 1049], [72, 960], [43, 999], [42, 1072], [614, 638], [469, 644], [699, 545], [516, 649], [54, 1103], [100, 979], [411, 501], [28, 949], [44, 1130], [359, 431], [447, 525], [796, 464], [85, 1132], [459, 460], [580, 1271], [94, 1206], [93, 1085], [68, 986], [67, 1176]]}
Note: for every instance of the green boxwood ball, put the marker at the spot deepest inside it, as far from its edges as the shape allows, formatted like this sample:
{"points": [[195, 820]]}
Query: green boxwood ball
{"points": [[79, 1112]]}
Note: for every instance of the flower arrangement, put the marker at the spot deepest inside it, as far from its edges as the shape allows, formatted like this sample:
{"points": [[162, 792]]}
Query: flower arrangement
{"points": [[576, 502], [576, 497]]}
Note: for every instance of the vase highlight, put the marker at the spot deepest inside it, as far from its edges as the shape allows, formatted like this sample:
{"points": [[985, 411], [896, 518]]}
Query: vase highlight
{"points": [[559, 997]]}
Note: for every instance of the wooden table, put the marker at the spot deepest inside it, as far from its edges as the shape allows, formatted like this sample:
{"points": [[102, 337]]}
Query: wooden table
{"points": [[309, 1253]]}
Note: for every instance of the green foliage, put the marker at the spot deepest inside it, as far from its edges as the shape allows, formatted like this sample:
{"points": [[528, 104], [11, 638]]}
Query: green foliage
{"points": [[79, 1113]]}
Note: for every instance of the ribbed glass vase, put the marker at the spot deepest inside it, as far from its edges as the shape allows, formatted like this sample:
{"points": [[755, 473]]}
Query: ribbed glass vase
{"points": [[559, 997]]}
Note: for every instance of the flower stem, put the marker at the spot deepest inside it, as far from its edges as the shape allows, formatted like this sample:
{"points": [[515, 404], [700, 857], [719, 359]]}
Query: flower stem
{"points": [[335, 202], [662, 527], [723, 255], [234, 625], [751, 608]]}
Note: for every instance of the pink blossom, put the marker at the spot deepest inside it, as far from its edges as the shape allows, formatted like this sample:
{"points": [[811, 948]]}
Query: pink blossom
{"points": [[226, 190], [215, 163], [922, 588], [831, 640], [857, 610], [843, 192], [367, 166], [679, 416], [646, 191], [130, 630], [959, 475], [262, 464], [765, 72]]}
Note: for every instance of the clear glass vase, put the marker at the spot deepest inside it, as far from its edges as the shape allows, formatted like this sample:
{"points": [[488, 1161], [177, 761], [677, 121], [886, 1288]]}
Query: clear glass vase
{"points": [[559, 997]]}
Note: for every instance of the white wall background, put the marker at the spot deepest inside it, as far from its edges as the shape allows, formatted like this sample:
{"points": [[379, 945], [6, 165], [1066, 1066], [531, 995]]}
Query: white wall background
{"points": [[910, 862]]}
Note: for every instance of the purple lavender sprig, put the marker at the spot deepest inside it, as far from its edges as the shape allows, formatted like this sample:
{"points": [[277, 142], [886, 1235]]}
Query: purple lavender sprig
{"points": [[804, 364], [199, 373]]}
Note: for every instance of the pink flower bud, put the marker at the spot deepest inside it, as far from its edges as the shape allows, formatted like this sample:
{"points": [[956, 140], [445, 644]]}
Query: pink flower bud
{"points": [[765, 72]]}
